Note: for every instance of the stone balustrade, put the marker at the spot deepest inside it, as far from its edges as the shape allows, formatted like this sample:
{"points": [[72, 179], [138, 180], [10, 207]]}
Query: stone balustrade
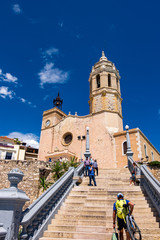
{"points": [[149, 183]]}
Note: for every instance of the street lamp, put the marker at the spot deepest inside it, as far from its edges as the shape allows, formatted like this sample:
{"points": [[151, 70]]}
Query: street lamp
{"points": [[81, 138]]}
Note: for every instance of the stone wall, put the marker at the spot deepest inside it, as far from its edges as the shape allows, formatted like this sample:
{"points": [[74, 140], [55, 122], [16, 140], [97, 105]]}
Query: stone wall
{"points": [[155, 172], [32, 169]]}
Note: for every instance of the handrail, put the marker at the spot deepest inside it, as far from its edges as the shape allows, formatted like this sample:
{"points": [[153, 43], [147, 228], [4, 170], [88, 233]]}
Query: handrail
{"points": [[39, 214], [152, 187], [148, 182]]}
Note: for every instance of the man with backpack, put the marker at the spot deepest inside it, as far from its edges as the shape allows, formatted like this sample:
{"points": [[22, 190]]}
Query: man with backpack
{"points": [[122, 208]]}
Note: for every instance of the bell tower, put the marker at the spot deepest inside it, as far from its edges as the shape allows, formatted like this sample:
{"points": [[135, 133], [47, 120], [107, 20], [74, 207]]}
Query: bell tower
{"points": [[105, 95]]}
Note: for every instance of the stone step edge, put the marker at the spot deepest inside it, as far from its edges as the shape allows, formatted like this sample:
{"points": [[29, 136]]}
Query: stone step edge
{"points": [[95, 226]]}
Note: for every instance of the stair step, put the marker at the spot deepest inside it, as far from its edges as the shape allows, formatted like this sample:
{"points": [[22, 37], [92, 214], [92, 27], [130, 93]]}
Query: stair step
{"points": [[87, 211], [75, 235]]}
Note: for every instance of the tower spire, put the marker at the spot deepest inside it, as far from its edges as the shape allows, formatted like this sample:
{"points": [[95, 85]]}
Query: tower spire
{"points": [[103, 57]]}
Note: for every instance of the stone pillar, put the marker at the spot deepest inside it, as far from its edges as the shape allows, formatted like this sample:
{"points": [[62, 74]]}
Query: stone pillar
{"points": [[12, 201], [87, 152], [129, 150]]}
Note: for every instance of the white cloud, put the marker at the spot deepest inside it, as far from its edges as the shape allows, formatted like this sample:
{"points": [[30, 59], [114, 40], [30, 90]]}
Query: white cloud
{"points": [[51, 51], [7, 77], [16, 8], [50, 74], [48, 54], [29, 138], [22, 100], [4, 92]]}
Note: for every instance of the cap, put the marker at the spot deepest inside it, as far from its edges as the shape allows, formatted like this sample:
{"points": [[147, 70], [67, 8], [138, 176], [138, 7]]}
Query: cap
{"points": [[120, 195]]}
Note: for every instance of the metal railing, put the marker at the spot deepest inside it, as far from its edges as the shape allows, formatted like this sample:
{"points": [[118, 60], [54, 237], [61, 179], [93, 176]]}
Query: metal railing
{"points": [[39, 214]]}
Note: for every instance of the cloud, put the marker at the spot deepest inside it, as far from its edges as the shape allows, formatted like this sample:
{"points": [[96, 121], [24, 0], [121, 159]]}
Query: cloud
{"points": [[51, 51], [23, 100], [29, 138], [7, 77], [50, 74], [4, 92], [16, 9], [48, 54]]}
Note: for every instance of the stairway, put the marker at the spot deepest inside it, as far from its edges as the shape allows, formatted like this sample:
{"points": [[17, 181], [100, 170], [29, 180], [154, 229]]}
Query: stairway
{"points": [[87, 211]]}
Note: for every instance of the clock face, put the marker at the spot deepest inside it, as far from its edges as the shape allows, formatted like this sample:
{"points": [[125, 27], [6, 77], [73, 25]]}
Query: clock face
{"points": [[48, 123]]}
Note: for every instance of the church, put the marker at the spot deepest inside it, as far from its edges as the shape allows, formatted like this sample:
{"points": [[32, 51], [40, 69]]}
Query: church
{"points": [[64, 136]]}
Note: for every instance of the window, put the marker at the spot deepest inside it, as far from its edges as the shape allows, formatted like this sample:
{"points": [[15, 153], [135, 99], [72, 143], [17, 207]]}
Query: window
{"points": [[109, 80], [124, 147], [67, 138], [152, 156], [145, 150], [98, 81], [8, 155]]}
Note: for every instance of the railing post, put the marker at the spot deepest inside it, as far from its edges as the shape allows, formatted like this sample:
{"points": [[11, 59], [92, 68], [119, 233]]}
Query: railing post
{"points": [[12, 201]]}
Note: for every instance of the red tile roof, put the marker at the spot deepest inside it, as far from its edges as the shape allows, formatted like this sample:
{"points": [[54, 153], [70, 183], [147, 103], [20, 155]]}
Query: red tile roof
{"points": [[6, 138]]}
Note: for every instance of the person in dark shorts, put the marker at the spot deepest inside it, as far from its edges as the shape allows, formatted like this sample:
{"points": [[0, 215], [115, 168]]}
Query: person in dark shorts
{"points": [[133, 177], [95, 165], [121, 209], [91, 175]]}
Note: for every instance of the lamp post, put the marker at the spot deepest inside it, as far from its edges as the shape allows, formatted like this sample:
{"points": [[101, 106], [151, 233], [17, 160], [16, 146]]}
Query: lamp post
{"points": [[129, 150], [81, 138], [87, 152]]}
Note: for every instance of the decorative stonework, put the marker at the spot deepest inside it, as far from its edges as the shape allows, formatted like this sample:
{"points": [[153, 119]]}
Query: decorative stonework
{"points": [[103, 93]]}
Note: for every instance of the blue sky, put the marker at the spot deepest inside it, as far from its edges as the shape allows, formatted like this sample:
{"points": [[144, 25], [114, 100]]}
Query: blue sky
{"points": [[50, 46]]}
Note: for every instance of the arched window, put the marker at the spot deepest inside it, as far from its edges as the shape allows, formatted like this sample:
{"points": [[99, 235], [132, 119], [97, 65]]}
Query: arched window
{"points": [[109, 80], [124, 148], [145, 150], [152, 156], [98, 81]]}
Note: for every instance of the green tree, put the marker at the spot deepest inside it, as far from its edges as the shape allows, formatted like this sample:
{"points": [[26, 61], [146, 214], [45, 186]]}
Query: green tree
{"points": [[65, 166], [57, 170], [17, 141], [44, 184], [73, 162]]}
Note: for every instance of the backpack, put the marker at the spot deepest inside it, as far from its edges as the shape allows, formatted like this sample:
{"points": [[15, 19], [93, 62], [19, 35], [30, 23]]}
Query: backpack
{"points": [[122, 208]]}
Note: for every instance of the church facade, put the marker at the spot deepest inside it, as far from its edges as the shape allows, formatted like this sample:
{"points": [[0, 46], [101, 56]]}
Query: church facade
{"points": [[63, 136]]}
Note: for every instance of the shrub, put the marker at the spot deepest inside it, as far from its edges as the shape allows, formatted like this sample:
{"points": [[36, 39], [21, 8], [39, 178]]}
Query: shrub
{"points": [[154, 164]]}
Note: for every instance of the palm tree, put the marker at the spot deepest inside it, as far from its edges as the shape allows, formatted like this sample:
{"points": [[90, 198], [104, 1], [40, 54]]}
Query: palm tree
{"points": [[73, 162], [57, 170], [44, 184], [65, 166]]}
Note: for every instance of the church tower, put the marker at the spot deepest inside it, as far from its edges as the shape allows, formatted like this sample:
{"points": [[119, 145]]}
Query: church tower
{"points": [[105, 93]]}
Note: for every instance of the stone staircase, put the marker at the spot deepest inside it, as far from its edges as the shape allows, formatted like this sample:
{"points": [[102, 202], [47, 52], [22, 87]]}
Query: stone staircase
{"points": [[87, 211]]}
